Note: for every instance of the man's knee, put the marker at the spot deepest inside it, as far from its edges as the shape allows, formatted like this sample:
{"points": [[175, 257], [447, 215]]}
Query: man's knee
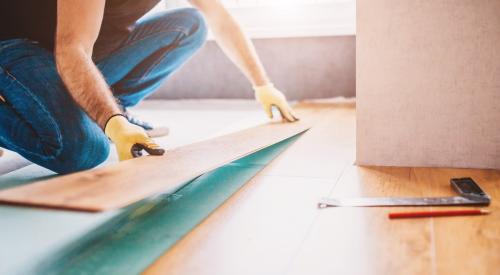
{"points": [[82, 154], [194, 23]]}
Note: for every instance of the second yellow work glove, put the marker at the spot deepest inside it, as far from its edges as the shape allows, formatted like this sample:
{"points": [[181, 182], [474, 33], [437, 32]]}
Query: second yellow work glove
{"points": [[268, 96], [130, 139]]}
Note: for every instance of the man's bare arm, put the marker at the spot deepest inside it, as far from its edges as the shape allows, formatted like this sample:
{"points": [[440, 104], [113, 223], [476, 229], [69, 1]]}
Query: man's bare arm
{"points": [[78, 26], [238, 47], [233, 40]]}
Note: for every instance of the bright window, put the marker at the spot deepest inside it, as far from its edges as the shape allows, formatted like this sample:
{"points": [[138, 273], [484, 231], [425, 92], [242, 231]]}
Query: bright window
{"points": [[289, 18], [254, 3]]}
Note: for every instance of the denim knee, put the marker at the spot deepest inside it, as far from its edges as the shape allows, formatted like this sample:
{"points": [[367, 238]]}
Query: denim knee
{"points": [[194, 22], [87, 152]]}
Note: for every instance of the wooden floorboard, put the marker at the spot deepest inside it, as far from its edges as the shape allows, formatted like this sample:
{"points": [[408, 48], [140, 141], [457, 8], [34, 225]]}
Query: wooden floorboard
{"points": [[272, 225], [363, 240], [325, 149], [465, 245], [127, 182]]}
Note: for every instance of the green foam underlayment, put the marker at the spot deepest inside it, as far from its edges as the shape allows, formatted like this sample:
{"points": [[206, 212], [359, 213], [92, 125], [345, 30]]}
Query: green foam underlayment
{"points": [[126, 241]]}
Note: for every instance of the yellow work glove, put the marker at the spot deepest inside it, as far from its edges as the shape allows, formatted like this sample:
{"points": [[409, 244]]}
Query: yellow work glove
{"points": [[268, 96], [130, 139]]}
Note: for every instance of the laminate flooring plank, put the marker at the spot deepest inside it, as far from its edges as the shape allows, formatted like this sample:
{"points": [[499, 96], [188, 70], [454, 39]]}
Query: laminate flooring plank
{"points": [[119, 185], [348, 240], [328, 145], [468, 244], [195, 120]]}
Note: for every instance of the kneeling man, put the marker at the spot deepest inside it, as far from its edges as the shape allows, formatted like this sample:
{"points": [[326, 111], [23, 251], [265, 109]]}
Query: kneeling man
{"points": [[70, 68]]}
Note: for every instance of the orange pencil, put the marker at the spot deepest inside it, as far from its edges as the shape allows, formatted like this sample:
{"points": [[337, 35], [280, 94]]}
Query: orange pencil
{"points": [[444, 213]]}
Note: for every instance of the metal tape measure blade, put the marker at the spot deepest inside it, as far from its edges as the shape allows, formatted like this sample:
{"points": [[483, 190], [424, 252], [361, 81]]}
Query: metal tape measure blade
{"points": [[367, 202]]}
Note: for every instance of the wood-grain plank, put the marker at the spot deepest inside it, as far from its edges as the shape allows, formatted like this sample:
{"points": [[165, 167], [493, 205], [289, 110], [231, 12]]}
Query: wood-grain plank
{"points": [[465, 245], [348, 240], [320, 152], [119, 185]]}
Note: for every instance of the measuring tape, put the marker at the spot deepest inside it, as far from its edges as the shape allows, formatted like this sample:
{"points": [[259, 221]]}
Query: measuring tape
{"points": [[469, 193]]}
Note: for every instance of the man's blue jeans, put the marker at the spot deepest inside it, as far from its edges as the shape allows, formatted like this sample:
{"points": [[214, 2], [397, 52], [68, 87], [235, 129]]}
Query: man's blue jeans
{"points": [[41, 121]]}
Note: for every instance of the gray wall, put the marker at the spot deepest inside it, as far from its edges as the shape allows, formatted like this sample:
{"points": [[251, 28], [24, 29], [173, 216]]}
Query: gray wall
{"points": [[318, 67]]}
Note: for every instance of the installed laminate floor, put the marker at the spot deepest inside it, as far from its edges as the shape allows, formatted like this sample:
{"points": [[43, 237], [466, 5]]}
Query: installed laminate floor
{"points": [[272, 225]]}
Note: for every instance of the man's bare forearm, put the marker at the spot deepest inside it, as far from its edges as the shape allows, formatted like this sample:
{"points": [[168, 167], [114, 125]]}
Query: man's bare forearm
{"points": [[86, 84], [233, 41], [78, 26]]}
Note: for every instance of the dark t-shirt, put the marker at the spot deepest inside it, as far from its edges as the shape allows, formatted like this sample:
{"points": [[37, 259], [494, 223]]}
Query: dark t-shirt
{"points": [[36, 20]]}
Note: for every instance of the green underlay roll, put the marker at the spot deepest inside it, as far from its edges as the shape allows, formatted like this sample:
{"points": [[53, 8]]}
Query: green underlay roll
{"points": [[133, 239]]}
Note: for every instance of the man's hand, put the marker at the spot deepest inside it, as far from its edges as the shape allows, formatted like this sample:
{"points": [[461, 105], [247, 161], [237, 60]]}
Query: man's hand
{"points": [[240, 49], [130, 139], [269, 96]]}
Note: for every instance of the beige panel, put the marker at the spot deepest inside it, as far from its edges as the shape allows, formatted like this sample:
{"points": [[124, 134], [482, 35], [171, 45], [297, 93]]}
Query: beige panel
{"points": [[428, 83]]}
